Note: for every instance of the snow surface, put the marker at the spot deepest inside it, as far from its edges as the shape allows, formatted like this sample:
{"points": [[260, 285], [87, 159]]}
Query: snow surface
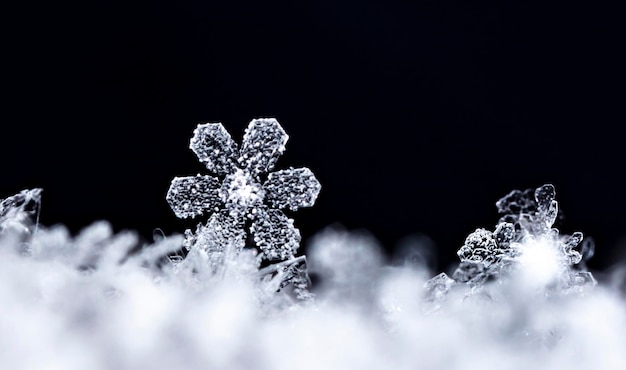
{"points": [[96, 301]]}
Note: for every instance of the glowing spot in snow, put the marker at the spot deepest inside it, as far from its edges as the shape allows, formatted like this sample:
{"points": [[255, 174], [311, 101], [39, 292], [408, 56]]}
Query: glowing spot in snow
{"points": [[540, 262]]}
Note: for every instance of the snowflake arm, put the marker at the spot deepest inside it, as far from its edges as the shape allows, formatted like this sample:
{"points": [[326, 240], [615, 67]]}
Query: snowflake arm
{"points": [[292, 188], [192, 196], [263, 142], [275, 234], [572, 255], [214, 147], [221, 230]]}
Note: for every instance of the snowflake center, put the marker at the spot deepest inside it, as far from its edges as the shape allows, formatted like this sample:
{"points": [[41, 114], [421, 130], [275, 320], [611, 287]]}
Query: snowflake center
{"points": [[241, 193]]}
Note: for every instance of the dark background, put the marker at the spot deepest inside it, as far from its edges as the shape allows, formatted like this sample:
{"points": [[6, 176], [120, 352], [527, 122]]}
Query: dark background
{"points": [[416, 116]]}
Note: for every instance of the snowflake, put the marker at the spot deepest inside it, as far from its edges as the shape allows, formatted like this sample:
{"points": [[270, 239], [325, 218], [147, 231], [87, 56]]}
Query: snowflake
{"points": [[244, 195]]}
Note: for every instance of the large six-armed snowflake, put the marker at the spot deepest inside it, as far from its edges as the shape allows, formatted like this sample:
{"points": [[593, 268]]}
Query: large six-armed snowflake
{"points": [[240, 198]]}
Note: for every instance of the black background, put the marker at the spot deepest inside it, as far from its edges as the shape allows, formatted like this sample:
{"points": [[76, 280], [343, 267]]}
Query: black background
{"points": [[416, 116]]}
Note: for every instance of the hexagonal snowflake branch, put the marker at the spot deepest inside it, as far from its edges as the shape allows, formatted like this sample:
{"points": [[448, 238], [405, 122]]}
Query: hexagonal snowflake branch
{"points": [[214, 147], [275, 234], [263, 142], [192, 196], [292, 188]]}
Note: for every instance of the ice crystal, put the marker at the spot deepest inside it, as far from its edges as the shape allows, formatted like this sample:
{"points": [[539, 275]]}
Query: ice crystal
{"points": [[19, 212], [243, 199], [523, 240], [437, 287]]}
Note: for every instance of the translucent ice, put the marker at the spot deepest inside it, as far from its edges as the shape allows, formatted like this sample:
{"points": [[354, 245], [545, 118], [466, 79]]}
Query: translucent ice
{"points": [[19, 212], [437, 287], [532, 211], [525, 242]]}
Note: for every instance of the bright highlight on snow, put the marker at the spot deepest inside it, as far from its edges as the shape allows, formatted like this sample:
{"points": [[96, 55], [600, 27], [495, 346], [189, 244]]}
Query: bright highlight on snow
{"points": [[235, 293]]}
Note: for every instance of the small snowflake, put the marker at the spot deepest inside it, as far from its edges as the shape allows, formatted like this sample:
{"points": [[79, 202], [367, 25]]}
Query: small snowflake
{"points": [[240, 194]]}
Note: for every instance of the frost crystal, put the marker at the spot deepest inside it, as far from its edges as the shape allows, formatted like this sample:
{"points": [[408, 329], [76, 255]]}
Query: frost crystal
{"points": [[19, 212], [437, 287], [239, 199], [524, 239]]}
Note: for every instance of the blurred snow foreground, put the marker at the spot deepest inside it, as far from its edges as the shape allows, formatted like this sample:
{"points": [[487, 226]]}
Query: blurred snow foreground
{"points": [[235, 294]]}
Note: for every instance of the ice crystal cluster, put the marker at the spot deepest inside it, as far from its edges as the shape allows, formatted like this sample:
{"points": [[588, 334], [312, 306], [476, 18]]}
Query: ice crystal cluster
{"points": [[520, 297], [525, 240]]}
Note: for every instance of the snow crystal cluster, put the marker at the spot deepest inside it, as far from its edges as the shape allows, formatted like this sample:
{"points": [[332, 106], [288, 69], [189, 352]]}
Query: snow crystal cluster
{"points": [[523, 241], [239, 294]]}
